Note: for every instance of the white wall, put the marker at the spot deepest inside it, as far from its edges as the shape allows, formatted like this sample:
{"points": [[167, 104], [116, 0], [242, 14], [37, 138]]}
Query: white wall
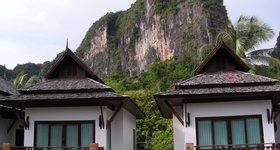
{"points": [[178, 128], [4, 125], [122, 130], [129, 123], [117, 132], [65, 114], [121, 127], [220, 109], [8, 137]]}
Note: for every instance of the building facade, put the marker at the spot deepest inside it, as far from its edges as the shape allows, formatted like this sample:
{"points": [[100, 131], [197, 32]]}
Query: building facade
{"points": [[222, 104], [72, 107]]}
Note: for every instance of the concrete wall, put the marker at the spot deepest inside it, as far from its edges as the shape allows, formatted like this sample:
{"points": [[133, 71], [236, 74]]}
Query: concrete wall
{"points": [[121, 127], [117, 132], [65, 114], [220, 109], [11, 136], [122, 131], [129, 124], [178, 130]]}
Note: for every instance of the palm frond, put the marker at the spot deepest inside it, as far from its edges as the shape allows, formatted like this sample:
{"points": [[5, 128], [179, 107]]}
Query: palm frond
{"points": [[262, 52], [263, 60]]}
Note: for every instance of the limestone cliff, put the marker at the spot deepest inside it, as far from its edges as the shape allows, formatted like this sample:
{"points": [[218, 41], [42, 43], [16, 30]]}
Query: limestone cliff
{"points": [[150, 30]]}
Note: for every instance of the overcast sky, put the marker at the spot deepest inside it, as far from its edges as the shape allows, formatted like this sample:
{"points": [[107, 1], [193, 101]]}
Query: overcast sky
{"points": [[36, 30]]}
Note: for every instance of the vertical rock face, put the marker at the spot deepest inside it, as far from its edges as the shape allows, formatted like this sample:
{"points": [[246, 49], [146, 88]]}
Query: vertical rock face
{"points": [[150, 30]]}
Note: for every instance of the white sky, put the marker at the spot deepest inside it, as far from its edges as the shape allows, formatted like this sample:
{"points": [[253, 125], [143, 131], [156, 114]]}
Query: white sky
{"points": [[36, 30]]}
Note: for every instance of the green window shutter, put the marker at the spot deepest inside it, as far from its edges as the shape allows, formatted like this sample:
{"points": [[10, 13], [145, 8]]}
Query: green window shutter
{"points": [[253, 130], [205, 133], [238, 132], [42, 135], [72, 136], [86, 134], [220, 133], [56, 136]]}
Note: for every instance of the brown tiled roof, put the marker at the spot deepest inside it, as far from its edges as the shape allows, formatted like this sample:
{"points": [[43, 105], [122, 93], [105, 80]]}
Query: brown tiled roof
{"points": [[221, 90], [68, 53], [217, 84], [73, 99], [88, 90], [6, 87], [222, 47], [68, 96], [224, 79], [66, 84]]}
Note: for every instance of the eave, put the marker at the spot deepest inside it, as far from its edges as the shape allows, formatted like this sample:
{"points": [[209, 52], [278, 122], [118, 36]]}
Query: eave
{"points": [[179, 100], [110, 102]]}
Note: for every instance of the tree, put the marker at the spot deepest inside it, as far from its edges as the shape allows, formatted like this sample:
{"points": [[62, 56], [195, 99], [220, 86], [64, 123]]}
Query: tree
{"points": [[31, 81], [19, 81], [45, 67], [276, 51], [154, 131], [246, 35]]}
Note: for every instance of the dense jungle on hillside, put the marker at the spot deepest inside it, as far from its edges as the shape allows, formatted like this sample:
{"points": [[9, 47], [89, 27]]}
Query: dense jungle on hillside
{"points": [[155, 132]]}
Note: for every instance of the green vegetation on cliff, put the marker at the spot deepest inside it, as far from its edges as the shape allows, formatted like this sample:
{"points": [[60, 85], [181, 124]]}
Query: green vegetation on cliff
{"points": [[166, 7], [160, 76], [182, 26], [117, 24]]}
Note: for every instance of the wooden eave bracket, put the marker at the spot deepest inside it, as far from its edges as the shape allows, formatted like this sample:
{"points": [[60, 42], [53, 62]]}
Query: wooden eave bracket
{"points": [[20, 117], [12, 124], [108, 125], [175, 113], [274, 115]]}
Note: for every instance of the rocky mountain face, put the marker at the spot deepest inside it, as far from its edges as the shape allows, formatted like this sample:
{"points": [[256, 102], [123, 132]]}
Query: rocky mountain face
{"points": [[131, 40]]}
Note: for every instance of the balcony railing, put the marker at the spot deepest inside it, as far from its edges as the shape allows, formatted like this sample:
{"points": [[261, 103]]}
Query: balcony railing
{"points": [[47, 148], [265, 146], [7, 146], [50, 148]]}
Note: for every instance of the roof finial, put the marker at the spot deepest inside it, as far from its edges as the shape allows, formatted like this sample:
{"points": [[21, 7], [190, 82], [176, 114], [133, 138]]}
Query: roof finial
{"points": [[67, 45]]}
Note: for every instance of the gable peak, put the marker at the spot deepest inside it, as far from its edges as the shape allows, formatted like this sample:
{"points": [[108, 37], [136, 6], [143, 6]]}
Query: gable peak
{"points": [[221, 58]]}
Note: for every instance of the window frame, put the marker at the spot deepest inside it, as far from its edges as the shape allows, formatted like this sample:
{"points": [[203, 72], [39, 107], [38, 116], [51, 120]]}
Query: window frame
{"points": [[228, 120], [64, 124]]}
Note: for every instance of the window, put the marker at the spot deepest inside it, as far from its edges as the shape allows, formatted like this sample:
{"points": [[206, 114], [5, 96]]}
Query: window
{"points": [[67, 133], [226, 131]]}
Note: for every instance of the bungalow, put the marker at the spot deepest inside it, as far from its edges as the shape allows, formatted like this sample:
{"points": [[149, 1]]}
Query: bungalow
{"points": [[73, 108], [9, 127], [221, 105]]}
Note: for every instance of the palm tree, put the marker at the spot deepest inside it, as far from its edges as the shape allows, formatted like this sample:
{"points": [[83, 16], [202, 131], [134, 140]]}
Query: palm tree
{"points": [[19, 81], [245, 36]]}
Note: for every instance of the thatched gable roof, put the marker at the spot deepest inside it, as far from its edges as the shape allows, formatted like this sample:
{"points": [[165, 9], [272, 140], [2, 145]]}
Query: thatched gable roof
{"points": [[227, 53], [60, 89], [224, 79], [216, 83], [68, 54], [67, 84], [6, 87]]}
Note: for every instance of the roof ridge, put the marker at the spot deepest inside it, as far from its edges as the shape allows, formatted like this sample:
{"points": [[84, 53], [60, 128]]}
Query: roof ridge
{"points": [[99, 83], [225, 79], [39, 83]]}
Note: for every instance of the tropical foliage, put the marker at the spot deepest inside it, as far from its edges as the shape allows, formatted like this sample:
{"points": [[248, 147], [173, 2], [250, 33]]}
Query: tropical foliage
{"points": [[245, 35], [153, 132], [276, 52], [160, 76]]}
